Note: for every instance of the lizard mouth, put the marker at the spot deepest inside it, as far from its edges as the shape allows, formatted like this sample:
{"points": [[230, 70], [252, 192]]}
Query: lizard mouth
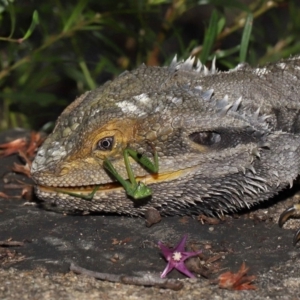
{"points": [[114, 186], [82, 190]]}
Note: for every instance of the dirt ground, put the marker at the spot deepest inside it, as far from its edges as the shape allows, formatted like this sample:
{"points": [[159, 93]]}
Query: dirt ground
{"points": [[38, 267]]}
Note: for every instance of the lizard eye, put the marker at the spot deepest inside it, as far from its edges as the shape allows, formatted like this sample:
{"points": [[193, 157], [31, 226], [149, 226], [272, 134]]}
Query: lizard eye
{"points": [[106, 143], [206, 138]]}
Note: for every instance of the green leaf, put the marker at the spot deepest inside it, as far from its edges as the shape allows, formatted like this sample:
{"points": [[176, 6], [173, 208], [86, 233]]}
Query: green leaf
{"points": [[158, 2], [34, 22], [87, 75], [221, 24], [32, 98], [246, 37], [210, 36], [225, 53], [75, 14]]}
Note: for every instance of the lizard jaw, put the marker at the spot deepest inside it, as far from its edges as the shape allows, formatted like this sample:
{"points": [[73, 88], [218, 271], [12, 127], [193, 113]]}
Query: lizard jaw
{"points": [[114, 186]]}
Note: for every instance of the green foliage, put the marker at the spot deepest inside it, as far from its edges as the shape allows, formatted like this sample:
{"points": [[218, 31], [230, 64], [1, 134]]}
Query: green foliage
{"points": [[246, 37], [210, 35], [52, 51]]}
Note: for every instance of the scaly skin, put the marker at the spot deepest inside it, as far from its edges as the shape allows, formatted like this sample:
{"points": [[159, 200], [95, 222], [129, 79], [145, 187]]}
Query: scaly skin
{"points": [[225, 140]]}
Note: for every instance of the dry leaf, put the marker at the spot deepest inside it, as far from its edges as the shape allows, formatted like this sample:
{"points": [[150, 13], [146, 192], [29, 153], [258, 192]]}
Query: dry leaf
{"points": [[23, 145], [23, 169], [208, 220], [35, 141], [2, 195], [13, 147], [237, 281], [115, 241], [27, 192], [184, 220]]}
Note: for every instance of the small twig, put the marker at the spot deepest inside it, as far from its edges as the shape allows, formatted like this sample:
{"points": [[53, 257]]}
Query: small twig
{"points": [[13, 186], [3, 195], [50, 41], [6, 39], [98, 275], [171, 284], [11, 244], [214, 258], [240, 21]]}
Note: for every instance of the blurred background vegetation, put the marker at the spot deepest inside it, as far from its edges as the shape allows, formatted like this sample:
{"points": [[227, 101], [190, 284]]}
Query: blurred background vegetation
{"points": [[52, 51]]}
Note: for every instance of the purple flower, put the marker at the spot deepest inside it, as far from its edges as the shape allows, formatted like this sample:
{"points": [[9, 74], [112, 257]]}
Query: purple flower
{"points": [[176, 257]]}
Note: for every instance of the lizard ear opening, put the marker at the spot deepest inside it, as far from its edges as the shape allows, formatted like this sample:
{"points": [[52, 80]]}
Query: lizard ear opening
{"points": [[205, 138]]}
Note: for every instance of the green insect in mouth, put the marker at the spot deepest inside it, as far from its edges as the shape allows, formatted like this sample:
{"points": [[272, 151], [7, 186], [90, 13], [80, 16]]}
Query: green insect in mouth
{"points": [[134, 189]]}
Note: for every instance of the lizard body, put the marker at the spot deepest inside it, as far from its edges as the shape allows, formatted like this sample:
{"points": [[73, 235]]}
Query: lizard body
{"points": [[225, 140]]}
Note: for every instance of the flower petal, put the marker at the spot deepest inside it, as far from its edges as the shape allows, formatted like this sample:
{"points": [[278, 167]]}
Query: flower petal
{"points": [[165, 251], [186, 255], [170, 266], [182, 268], [181, 245], [176, 258]]}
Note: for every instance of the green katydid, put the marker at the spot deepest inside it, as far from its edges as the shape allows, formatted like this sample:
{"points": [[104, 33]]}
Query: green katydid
{"points": [[136, 190], [87, 197]]}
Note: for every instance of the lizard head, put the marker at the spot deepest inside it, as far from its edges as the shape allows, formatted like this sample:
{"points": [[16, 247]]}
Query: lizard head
{"points": [[214, 152]]}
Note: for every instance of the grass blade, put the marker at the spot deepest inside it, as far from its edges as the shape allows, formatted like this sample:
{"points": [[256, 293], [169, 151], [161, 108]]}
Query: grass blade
{"points": [[246, 37], [34, 22], [75, 14], [210, 36]]}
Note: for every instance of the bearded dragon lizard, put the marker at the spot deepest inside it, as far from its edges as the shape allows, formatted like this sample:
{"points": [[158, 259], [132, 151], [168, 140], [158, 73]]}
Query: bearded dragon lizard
{"points": [[196, 139]]}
